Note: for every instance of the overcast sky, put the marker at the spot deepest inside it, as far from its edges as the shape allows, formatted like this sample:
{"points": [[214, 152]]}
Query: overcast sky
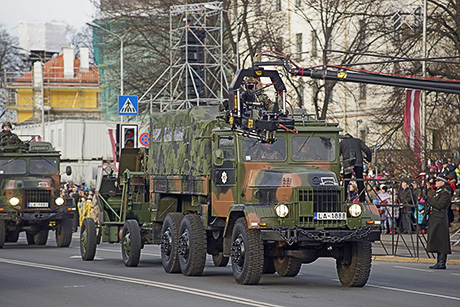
{"points": [[73, 12]]}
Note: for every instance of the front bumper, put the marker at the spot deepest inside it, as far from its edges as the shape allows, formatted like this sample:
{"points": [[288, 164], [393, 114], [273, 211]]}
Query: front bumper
{"points": [[36, 216], [293, 235]]}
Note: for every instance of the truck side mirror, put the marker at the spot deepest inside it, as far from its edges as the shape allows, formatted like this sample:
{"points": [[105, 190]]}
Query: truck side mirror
{"points": [[218, 157], [68, 170]]}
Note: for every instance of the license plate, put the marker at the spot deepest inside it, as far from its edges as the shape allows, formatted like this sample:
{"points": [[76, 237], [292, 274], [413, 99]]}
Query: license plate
{"points": [[37, 205], [330, 215]]}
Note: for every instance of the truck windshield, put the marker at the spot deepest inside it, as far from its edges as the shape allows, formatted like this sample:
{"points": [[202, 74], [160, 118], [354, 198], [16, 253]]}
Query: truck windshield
{"points": [[42, 166], [254, 150], [312, 148], [12, 166]]}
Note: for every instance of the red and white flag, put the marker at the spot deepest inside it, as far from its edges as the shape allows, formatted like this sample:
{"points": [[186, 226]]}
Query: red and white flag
{"points": [[412, 121]]}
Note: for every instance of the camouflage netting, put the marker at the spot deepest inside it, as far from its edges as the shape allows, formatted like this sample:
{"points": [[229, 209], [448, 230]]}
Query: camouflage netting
{"points": [[180, 141]]}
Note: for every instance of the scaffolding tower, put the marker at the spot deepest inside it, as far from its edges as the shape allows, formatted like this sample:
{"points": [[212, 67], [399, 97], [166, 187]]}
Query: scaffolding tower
{"points": [[200, 60]]}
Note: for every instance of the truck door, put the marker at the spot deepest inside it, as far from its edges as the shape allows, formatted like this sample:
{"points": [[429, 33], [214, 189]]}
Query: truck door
{"points": [[224, 174]]}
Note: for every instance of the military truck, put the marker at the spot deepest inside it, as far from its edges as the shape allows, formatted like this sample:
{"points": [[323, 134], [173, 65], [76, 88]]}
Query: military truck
{"points": [[269, 206], [30, 195]]}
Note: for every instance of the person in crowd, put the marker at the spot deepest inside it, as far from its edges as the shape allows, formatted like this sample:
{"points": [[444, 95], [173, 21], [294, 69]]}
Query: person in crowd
{"points": [[352, 192], [448, 169], [457, 171], [352, 150], [438, 224], [385, 202], [372, 192], [8, 137], [406, 198], [421, 215]]}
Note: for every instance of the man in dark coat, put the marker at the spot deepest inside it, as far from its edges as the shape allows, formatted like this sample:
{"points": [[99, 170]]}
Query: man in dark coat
{"points": [[407, 199], [438, 224], [352, 150]]}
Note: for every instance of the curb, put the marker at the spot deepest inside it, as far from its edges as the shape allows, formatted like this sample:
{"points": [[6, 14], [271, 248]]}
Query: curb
{"points": [[412, 259]]}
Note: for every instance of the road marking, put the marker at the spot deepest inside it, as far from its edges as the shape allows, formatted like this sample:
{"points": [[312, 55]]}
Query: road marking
{"points": [[171, 287], [455, 274], [413, 269], [415, 292]]}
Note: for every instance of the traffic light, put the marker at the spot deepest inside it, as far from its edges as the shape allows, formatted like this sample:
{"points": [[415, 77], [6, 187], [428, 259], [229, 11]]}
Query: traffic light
{"points": [[128, 136]]}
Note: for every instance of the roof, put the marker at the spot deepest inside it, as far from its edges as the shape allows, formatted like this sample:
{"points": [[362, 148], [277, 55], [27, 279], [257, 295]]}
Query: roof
{"points": [[53, 72]]}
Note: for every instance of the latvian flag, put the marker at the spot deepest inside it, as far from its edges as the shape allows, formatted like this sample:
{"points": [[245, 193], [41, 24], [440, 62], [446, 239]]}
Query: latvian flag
{"points": [[113, 137], [411, 125]]}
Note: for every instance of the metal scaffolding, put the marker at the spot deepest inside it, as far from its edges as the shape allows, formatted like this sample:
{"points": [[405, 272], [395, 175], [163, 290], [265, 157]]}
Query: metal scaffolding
{"points": [[200, 60]]}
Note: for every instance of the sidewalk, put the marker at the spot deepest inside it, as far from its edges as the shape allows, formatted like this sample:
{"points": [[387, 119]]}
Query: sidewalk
{"points": [[403, 248]]}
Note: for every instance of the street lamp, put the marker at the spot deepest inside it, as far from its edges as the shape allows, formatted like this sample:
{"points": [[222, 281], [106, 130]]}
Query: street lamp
{"points": [[213, 7], [42, 94], [94, 25]]}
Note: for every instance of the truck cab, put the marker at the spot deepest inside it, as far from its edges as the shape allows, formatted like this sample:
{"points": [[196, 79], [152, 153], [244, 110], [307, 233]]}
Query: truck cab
{"points": [[30, 198]]}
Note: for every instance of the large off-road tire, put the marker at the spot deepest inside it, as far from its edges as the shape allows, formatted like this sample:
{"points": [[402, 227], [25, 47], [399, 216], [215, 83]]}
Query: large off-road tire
{"points": [[2, 233], [12, 236], [287, 266], [64, 232], [247, 254], [354, 269], [88, 239], [169, 242], [41, 237], [192, 246], [220, 260], [30, 238], [131, 243]]}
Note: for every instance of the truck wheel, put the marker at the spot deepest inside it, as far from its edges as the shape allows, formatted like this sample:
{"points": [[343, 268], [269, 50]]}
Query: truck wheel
{"points": [[88, 239], [2, 233], [131, 243], [41, 237], [269, 266], [169, 239], [220, 260], [355, 271], [247, 254], [12, 236], [63, 232], [287, 266], [192, 245], [30, 238]]}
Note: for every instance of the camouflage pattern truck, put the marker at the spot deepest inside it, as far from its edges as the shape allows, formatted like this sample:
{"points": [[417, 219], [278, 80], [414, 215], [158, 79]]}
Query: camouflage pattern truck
{"points": [[30, 195], [267, 206]]}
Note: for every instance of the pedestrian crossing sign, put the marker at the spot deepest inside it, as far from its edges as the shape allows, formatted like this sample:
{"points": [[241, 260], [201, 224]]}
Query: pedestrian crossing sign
{"points": [[128, 105]]}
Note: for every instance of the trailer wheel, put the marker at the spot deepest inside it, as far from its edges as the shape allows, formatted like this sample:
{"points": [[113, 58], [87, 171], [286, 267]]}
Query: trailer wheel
{"points": [[169, 240], [63, 232], [12, 236], [192, 246], [88, 239], [247, 254], [30, 238], [354, 269], [131, 243], [220, 260], [41, 237], [2, 233], [287, 266]]}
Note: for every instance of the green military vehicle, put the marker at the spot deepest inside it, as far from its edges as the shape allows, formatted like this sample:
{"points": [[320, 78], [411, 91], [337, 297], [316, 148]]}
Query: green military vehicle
{"points": [[30, 195]]}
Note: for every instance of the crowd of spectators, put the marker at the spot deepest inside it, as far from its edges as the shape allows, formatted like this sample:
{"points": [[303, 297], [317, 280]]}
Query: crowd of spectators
{"points": [[402, 201], [79, 193]]}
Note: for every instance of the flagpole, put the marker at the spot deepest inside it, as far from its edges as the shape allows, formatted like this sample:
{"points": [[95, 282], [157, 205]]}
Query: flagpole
{"points": [[423, 106]]}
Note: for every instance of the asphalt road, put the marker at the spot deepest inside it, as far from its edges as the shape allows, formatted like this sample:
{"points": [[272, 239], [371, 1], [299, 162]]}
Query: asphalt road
{"points": [[51, 276]]}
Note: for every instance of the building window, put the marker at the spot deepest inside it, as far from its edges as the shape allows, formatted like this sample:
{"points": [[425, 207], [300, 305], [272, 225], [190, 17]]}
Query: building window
{"points": [[362, 33], [258, 7], [298, 42], [314, 44], [298, 3], [278, 6], [301, 93], [59, 137], [362, 92]]}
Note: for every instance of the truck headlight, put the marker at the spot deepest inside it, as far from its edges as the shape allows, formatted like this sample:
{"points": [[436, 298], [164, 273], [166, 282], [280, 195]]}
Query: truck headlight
{"points": [[14, 201], [282, 210], [355, 210], [59, 201]]}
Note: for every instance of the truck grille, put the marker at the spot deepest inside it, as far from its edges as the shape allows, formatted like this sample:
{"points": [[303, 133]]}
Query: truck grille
{"points": [[37, 196], [320, 200]]}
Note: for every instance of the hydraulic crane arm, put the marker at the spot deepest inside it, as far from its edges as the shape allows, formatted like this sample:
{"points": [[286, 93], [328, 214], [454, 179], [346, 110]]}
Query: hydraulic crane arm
{"points": [[342, 74]]}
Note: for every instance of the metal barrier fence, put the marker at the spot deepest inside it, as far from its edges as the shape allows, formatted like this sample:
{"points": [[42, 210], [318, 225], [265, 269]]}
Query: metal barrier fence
{"points": [[404, 221]]}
